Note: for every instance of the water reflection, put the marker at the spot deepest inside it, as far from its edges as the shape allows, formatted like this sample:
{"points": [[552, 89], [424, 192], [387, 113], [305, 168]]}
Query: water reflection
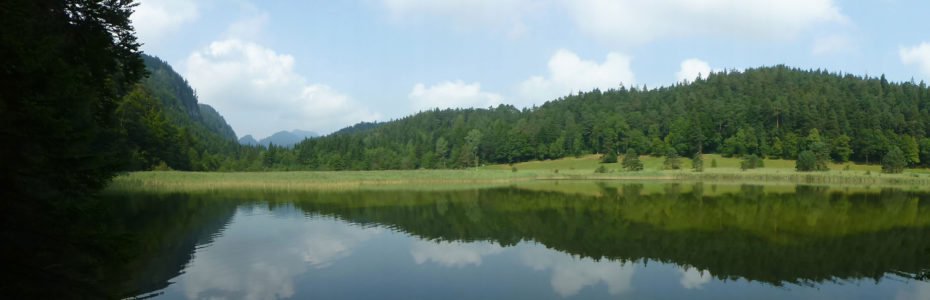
{"points": [[452, 254], [570, 274], [539, 241], [264, 255]]}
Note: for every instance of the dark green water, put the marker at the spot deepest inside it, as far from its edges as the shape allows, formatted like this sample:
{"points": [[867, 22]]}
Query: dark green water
{"points": [[629, 241]]}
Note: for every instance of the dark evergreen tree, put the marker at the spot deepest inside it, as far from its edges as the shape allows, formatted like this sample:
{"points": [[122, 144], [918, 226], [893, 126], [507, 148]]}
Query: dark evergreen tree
{"points": [[697, 163], [631, 161], [807, 161], [894, 161], [672, 162]]}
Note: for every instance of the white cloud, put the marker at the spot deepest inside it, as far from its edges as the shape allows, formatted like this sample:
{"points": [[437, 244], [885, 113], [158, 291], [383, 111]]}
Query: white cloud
{"points": [[917, 55], [568, 73], [452, 254], [259, 92], [693, 279], [832, 44], [268, 260], [452, 95], [154, 19], [691, 69], [635, 21], [570, 274]]}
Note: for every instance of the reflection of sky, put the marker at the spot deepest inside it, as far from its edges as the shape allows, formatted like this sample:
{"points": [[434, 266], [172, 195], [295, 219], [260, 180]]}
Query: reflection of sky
{"points": [[919, 290], [571, 274], [452, 254], [283, 254], [264, 254], [694, 279]]}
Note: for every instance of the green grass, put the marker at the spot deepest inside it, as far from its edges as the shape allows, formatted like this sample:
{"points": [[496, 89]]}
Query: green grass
{"points": [[727, 171]]}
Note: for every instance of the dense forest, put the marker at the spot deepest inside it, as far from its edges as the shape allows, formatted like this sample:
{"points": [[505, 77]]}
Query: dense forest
{"points": [[774, 112]]}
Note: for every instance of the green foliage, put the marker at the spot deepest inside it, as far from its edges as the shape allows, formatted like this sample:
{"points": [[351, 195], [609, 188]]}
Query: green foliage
{"points": [[631, 161], [672, 162], [841, 149], [751, 162], [609, 157], [894, 161], [713, 162], [64, 66], [807, 161], [697, 163], [601, 169]]}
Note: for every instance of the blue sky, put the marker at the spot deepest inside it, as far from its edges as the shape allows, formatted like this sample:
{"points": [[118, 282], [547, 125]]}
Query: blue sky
{"points": [[323, 65]]}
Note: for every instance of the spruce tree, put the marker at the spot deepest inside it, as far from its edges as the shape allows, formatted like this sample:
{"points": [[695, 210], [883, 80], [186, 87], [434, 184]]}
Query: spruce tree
{"points": [[631, 161], [894, 161]]}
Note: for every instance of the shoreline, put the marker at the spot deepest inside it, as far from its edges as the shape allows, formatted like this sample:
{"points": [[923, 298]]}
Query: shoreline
{"points": [[174, 181]]}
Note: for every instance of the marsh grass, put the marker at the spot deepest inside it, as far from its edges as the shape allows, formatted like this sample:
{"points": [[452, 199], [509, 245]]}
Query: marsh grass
{"points": [[583, 168]]}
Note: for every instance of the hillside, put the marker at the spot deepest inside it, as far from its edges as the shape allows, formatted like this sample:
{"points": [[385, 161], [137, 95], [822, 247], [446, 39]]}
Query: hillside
{"points": [[164, 125], [770, 111], [180, 101]]}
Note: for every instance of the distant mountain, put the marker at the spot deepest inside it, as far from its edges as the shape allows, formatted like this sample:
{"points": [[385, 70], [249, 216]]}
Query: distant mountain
{"points": [[248, 140], [281, 138]]}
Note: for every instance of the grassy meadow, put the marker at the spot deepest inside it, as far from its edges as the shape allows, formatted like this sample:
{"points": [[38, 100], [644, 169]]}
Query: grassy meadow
{"points": [[580, 168]]}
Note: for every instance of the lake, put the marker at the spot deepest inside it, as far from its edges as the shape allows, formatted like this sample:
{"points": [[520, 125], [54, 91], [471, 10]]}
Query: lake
{"points": [[538, 240]]}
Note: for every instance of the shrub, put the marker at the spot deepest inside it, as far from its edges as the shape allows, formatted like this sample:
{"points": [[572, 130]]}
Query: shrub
{"points": [[631, 161], [807, 161], [713, 162], [609, 157], [671, 160], [751, 162], [697, 163], [601, 169], [894, 161]]}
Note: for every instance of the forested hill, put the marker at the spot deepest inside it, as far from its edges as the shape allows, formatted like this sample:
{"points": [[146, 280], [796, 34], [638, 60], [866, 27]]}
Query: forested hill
{"points": [[164, 124], [179, 100], [770, 111]]}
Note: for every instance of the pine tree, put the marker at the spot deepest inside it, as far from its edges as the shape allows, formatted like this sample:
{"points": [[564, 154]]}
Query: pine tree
{"points": [[697, 163], [894, 161], [671, 160], [631, 161]]}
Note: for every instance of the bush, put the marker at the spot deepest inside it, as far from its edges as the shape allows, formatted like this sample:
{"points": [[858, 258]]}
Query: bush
{"points": [[513, 169], [609, 157], [671, 160], [713, 162], [631, 161], [894, 161], [751, 162], [601, 169], [807, 161], [697, 163]]}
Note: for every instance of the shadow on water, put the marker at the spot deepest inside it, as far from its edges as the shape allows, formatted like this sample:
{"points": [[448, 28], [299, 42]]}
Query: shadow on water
{"points": [[134, 244]]}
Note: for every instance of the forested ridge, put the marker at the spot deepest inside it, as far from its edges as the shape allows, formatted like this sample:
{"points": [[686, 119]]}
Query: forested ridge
{"points": [[773, 112]]}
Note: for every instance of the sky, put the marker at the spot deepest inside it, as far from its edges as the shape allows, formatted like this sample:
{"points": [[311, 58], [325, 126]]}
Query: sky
{"points": [[323, 65]]}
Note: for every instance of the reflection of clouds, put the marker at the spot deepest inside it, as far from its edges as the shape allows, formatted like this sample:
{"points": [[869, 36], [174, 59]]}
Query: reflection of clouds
{"points": [[260, 255], [570, 274], [692, 278], [916, 290], [451, 254]]}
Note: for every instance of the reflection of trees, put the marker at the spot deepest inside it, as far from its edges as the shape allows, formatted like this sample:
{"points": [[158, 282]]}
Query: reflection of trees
{"points": [[806, 236], [106, 248], [130, 245]]}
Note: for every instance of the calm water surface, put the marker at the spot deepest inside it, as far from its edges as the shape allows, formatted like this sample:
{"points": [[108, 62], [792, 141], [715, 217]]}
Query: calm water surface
{"points": [[554, 240]]}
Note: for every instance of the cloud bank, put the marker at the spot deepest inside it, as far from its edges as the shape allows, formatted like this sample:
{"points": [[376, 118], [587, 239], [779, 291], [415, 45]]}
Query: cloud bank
{"points": [[569, 73], [259, 92]]}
